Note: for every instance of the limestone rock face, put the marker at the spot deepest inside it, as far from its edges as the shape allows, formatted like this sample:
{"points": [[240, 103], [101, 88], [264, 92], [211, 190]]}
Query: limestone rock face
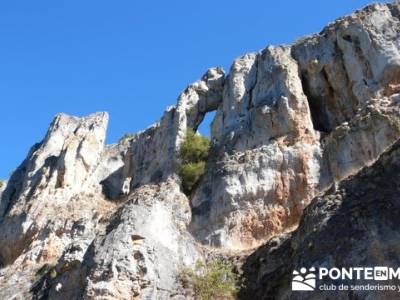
{"points": [[62, 237], [356, 225], [266, 154], [83, 220], [293, 121], [146, 246], [152, 155], [49, 204], [55, 171]]}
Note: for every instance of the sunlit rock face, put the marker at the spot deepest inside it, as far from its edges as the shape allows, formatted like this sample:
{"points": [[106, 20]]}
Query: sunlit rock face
{"points": [[296, 119], [355, 224], [80, 219], [43, 187], [83, 220], [52, 203]]}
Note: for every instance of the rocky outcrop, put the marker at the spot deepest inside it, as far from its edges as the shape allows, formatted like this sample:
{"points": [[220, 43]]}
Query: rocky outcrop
{"points": [[65, 237], [45, 184], [152, 155], [146, 247], [83, 220], [293, 121], [354, 226], [49, 204], [265, 150]]}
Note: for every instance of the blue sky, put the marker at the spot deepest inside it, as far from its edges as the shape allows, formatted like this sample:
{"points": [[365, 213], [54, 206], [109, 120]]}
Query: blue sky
{"points": [[130, 58]]}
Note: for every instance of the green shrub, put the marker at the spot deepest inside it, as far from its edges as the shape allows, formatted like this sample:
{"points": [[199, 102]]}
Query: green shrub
{"points": [[1, 183], [191, 174], [213, 280], [194, 148], [194, 154]]}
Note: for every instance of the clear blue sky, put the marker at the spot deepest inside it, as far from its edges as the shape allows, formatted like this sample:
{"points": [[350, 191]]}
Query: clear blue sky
{"points": [[130, 58]]}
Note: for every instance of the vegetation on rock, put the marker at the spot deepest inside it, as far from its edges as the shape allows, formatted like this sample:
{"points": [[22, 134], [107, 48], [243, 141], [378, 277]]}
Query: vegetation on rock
{"points": [[194, 153], [213, 280]]}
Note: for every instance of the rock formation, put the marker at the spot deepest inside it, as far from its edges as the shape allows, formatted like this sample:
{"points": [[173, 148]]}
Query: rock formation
{"points": [[354, 226], [83, 220], [295, 120]]}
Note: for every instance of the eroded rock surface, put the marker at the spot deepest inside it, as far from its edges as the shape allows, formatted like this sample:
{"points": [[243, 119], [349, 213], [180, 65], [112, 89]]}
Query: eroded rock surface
{"points": [[83, 220], [354, 226], [80, 219], [293, 121]]}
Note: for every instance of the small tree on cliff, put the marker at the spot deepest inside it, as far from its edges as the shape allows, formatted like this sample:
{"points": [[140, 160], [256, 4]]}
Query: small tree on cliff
{"points": [[194, 154], [212, 280]]}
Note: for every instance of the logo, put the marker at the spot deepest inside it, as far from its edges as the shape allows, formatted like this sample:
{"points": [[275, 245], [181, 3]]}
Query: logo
{"points": [[381, 273], [305, 280], [378, 278]]}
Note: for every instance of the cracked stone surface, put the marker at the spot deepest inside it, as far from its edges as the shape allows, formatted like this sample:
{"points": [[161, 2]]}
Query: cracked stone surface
{"points": [[83, 220], [293, 121], [355, 224]]}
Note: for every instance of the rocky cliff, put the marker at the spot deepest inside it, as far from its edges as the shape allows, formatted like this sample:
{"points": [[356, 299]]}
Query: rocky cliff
{"points": [[355, 225], [83, 220]]}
